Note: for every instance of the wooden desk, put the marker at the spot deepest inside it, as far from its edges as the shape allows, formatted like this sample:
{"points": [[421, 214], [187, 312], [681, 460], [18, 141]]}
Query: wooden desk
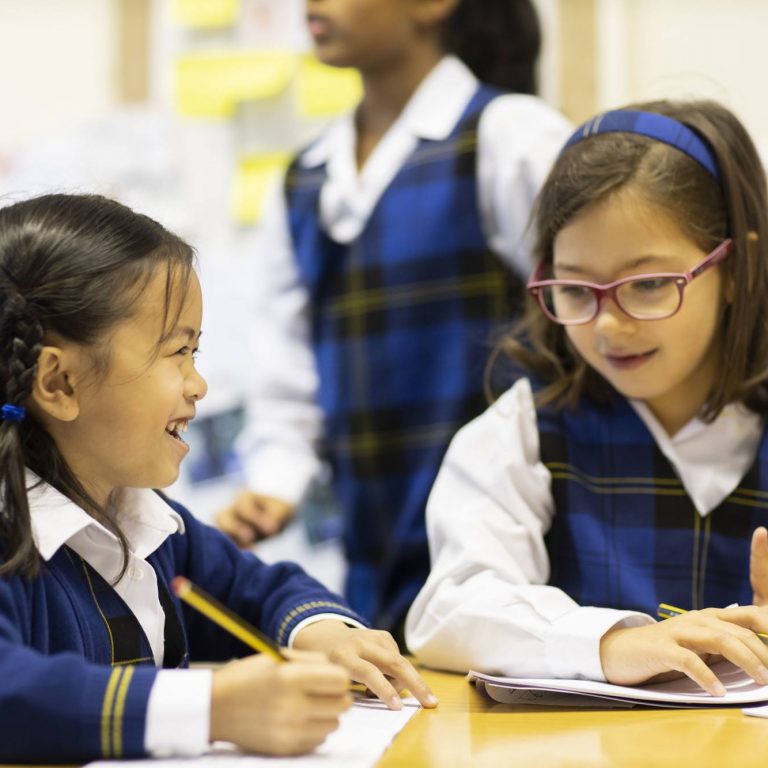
{"points": [[468, 729]]}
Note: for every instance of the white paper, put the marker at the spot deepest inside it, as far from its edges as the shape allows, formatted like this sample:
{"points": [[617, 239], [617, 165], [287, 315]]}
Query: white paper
{"points": [[365, 731], [759, 711], [684, 692]]}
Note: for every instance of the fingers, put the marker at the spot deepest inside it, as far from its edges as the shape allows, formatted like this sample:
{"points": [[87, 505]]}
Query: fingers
{"points": [[738, 645], [318, 677], [252, 517], [754, 618], [758, 566], [378, 665], [279, 708], [692, 665], [230, 521], [687, 644]]}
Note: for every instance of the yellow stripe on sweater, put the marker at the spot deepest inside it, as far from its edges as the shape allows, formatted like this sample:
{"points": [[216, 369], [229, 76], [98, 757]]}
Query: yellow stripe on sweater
{"points": [[106, 710], [117, 720]]}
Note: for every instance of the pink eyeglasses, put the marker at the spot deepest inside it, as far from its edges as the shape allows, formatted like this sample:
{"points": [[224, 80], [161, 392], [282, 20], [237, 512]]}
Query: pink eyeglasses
{"points": [[643, 297]]}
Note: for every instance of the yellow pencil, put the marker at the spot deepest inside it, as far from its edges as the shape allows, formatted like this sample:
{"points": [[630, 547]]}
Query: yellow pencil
{"points": [[666, 611], [226, 619]]}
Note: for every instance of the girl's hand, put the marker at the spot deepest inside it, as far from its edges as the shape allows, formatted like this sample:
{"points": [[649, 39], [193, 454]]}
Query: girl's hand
{"points": [[370, 656], [758, 566], [253, 516], [278, 708], [684, 644]]}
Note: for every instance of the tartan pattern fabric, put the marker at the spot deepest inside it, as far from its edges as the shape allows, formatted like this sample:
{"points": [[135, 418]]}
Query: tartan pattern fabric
{"points": [[625, 533], [401, 320]]}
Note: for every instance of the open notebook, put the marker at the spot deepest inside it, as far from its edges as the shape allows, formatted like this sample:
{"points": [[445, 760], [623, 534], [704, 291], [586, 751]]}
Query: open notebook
{"points": [[741, 690]]}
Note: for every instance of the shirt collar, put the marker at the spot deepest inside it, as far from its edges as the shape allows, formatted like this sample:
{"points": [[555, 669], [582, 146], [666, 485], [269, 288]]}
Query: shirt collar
{"points": [[734, 421], [431, 113], [144, 517]]}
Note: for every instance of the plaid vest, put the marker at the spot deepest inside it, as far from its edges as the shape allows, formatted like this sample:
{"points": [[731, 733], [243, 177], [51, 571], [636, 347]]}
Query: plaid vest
{"points": [[401, 323], [625, 532]]}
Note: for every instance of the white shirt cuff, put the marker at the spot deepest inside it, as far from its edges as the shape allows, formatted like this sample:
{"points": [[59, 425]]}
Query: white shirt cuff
{"points": [[179, 713], [573, 649]]}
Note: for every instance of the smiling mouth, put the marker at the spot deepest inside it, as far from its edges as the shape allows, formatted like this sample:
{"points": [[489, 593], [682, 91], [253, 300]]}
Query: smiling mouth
{"points": [[629, 361], [176, 427]]}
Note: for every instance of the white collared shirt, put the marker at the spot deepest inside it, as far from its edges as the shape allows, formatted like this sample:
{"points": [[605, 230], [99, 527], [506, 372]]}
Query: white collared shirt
{"points": [[178, 712], [486, 605], [518, 139]]}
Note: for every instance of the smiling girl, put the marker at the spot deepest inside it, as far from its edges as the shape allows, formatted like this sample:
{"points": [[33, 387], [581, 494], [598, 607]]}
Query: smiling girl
{"points": [[100, 319], [626, 465]]}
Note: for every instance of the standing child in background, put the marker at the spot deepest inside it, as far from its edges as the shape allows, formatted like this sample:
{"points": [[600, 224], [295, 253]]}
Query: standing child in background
{"points": [[100, 314], [393, 255], [629, 466]]}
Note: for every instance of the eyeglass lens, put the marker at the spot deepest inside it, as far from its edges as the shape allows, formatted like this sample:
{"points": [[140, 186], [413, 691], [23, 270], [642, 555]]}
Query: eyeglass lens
{"points": [[645, 299]]}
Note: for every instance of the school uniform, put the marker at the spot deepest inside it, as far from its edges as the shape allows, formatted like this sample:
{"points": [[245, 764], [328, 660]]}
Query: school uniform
{"points": [[546, 527], [99, 665], [385, 288]]}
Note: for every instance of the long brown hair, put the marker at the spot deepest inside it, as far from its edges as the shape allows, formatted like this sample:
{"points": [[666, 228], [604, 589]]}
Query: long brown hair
{"points": [[707, 211], [72, 265]]}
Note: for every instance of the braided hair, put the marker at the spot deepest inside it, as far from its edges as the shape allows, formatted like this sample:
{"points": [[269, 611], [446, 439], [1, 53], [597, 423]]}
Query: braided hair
{"points": [[71, 266]]}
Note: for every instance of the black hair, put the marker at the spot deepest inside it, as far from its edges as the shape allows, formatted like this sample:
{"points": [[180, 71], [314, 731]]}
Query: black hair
{"points": [[73, 266], [499, 40]]}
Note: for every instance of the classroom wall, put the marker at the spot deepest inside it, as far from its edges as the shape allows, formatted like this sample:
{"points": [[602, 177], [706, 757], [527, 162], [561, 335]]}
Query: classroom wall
{"points": [[60, 66], [647, 49], [57, 65]]}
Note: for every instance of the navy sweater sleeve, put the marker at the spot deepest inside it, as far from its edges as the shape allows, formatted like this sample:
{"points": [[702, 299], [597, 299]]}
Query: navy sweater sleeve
{"points": [[274, 598], [60, 707]]}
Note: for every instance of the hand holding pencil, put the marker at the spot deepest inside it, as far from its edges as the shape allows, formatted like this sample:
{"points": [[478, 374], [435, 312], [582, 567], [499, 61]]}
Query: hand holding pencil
{"points": [[262, 704], [371, 657]]}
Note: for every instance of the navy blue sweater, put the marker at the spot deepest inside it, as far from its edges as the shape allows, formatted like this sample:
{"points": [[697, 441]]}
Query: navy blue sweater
{"points": [[75, 667]]}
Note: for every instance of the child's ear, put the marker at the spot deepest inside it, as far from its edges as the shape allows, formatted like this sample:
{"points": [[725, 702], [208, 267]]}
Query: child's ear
{"points": [[53, 392]]}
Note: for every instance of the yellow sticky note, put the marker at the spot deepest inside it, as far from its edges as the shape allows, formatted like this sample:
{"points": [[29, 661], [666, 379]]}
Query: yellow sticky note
{"points": [[205, 14], [255, 176], [323, 91], [211, 84]]}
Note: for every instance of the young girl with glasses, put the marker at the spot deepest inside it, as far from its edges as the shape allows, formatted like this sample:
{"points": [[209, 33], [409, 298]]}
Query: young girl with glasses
{"points": [[627, 465], [100, 315]]}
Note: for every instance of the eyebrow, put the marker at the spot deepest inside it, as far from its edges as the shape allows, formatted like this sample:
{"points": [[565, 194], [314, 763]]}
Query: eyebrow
{"points": [[630, 265], [189, 333]]}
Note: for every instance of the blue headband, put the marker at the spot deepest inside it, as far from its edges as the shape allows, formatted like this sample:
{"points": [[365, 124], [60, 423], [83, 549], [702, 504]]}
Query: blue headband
{"points": [[12, 412], [655, 126]]}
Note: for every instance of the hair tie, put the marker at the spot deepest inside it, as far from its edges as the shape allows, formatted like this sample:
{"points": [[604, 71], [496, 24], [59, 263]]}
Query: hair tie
{"points": [[13, 412], [659, 127]]}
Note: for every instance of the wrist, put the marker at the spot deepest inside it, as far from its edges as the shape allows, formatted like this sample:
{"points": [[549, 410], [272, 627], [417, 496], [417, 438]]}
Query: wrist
{"points": [[608, 650], [320, 635]]}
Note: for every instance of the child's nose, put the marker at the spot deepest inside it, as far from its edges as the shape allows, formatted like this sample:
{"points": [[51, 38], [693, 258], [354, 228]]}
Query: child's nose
{"points": [[611, 319], [196, 386]]}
